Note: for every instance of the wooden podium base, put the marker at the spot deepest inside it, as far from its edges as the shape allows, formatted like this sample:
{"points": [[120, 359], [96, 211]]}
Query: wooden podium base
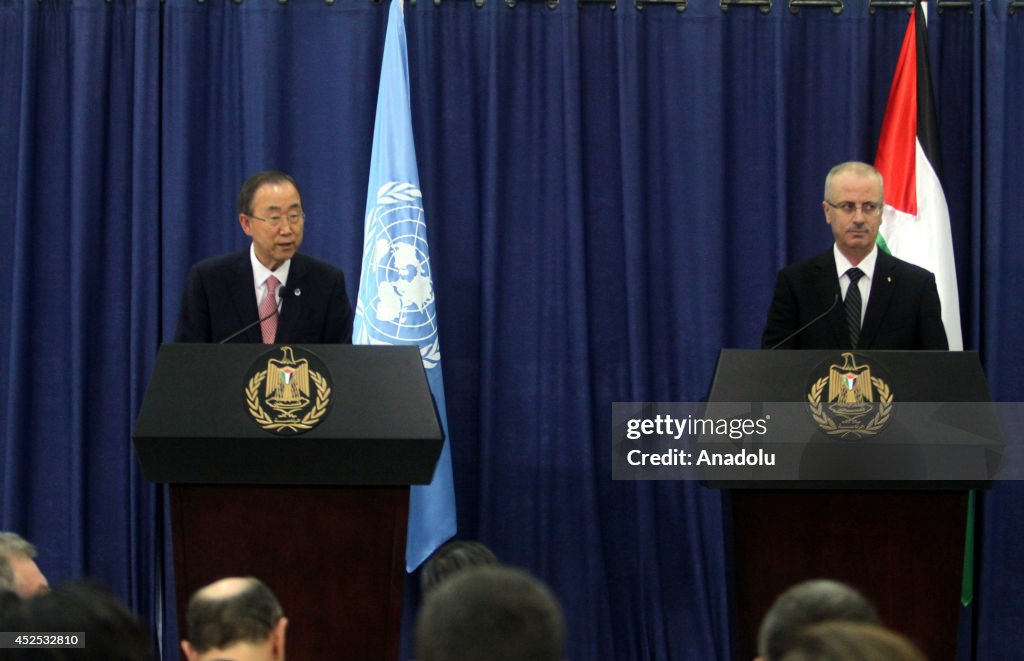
{"points": [[902, 550], [334, 556]]}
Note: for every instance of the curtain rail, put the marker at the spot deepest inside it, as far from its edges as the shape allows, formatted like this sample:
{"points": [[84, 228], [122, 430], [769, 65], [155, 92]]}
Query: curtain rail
{"points": [[942, 5], [956, 4], [836, 6], [764, 6], [680, 5]]}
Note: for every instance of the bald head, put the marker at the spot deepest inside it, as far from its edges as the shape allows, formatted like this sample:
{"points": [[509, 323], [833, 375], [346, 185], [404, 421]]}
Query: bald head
{"points": [[235, 619], [228, 588]]}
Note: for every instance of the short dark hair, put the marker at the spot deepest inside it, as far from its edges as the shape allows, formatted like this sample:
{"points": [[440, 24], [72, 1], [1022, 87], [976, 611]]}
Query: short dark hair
{"points": [[490, 612], [454, 557], [249, 615], [12, 545], [112, 632], [809, 603], [851, 641], [253, 183]]}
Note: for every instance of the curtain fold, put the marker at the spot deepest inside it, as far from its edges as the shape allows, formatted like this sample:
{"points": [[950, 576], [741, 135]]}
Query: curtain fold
{"points": [[81, 134], [996, 216]]}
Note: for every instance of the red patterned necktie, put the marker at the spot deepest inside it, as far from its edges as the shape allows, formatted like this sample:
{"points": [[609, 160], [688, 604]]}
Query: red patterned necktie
{"points": [[268, 311]]}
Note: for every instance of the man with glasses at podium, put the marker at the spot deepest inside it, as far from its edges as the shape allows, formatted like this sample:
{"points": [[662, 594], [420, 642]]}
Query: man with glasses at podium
{"points": [[268, 293], [854, 296]]}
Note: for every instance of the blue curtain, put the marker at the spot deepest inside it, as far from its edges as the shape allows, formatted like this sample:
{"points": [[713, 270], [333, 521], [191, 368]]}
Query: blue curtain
{"points": [[80, 134], [611, 192], [999, 245]]}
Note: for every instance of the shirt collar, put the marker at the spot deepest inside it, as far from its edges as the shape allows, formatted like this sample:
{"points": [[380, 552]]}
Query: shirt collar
{"points": [[867, 265], [260, 272]]}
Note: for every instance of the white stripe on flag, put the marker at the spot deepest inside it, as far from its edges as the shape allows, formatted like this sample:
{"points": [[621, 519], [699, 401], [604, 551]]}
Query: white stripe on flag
{"points": [[927, 240]]}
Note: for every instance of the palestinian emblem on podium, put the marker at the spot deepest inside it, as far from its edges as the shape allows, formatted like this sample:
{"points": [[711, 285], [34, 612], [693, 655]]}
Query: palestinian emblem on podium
{"points": [[288, 391], [849, 401]]}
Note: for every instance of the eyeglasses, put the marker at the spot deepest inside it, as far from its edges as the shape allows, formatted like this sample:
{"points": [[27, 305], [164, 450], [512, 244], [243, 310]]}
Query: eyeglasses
{"points": [[294, 219], [850, 208]]}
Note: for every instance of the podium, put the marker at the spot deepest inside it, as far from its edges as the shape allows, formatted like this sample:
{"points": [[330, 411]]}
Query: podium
{"points": [[897, 537], [319, 514]]}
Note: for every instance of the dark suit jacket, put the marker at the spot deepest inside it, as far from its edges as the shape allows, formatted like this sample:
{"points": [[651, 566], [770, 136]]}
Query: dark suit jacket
{"points": [[903, 307], [219, 300]]}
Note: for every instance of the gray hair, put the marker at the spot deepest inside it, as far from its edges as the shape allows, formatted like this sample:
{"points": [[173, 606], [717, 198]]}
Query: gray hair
{"points": [[854, 167], [12, 545]]}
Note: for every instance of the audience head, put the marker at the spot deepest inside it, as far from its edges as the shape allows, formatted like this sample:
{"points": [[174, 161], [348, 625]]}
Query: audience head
{"points": [[490, 613], [451, 558], [110, 631], [851, 641], [805, 604], [235, 619], [18, 570]]}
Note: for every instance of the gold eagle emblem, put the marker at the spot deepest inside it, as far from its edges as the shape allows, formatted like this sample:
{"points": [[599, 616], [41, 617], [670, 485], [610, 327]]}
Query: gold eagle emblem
{"points": [[853, 393], [289, 388]]}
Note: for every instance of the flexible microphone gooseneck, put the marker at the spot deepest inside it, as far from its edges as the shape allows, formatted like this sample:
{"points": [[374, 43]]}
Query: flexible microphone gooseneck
{"points": [[835, 301], [277, 310]]}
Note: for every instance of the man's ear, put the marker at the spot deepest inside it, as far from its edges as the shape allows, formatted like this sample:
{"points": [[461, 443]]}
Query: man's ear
{"points": [[190, 652], [244, 221], [279, 630]]}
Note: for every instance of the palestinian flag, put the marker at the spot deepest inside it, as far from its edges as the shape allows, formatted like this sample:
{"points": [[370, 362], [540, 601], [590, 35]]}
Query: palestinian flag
{"points": [[915, 224]]}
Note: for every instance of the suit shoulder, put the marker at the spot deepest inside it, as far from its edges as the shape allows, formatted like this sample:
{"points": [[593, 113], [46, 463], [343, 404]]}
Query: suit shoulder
{"points": [[908, 270], [317, 266]]}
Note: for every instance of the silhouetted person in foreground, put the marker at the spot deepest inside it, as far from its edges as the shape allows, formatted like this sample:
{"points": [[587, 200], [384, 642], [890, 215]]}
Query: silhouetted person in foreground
{"points": [[490, 614]]}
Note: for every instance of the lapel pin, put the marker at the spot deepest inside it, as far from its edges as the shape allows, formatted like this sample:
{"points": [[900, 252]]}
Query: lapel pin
{"points": [[887, 279], [297, 292]]}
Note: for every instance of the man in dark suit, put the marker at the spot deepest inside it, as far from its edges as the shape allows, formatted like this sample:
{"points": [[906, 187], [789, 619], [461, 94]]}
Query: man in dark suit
{"points": [[895, 304], [855, 296], [299, 299]]}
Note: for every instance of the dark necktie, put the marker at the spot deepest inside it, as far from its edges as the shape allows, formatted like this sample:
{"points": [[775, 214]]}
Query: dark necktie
{"points": [[853, 306]]}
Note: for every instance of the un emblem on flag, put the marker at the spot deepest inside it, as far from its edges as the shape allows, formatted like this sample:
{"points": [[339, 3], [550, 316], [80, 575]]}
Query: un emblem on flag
{"points": [[396, 273]]}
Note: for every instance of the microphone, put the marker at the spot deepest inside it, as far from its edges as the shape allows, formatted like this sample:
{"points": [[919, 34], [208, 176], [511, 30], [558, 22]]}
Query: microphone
{"points": [[284, 294], [835, 301]]}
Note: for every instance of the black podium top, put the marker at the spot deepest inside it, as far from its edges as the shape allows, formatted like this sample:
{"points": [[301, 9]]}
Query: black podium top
{"points": [[196, 424], [857, 419]]}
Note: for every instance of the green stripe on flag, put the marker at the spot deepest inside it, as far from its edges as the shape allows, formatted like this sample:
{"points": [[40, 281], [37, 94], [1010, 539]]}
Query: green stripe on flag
{"points": [[967, 585], [880, 240]]}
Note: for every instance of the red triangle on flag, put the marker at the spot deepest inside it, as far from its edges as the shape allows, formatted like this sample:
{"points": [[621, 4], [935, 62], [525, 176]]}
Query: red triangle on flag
{"points": [[897, 144]]}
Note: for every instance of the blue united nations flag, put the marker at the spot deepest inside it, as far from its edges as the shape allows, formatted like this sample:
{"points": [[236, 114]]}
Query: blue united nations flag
{"points": [[395, 304], [399, 308]]}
